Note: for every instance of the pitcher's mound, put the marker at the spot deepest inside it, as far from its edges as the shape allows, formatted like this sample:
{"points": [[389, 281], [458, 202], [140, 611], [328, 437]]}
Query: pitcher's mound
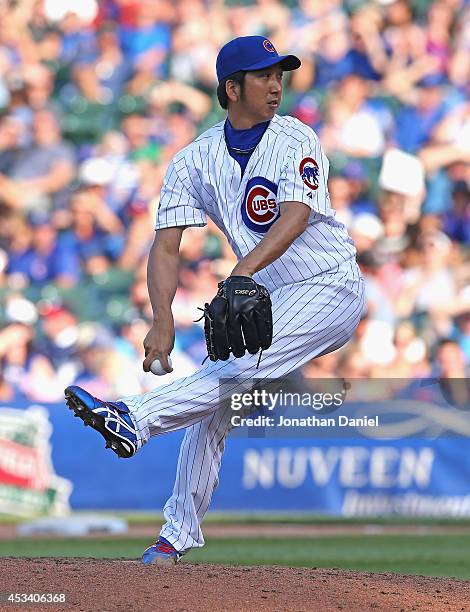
{"points": [[108, 585]]}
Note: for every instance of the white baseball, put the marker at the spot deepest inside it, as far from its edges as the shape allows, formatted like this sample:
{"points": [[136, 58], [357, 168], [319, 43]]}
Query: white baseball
{"points": [[157, 368]]}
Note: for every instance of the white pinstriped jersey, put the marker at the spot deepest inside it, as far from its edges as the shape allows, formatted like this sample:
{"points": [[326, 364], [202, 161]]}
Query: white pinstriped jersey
{"points": [[287, 165], [316, 288]]}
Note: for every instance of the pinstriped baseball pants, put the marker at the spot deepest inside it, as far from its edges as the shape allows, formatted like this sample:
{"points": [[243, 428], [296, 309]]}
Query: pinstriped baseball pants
{"points": [[310, 318]]}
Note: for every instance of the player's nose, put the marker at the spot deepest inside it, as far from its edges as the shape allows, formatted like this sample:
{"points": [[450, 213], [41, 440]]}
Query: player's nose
{"points": [[275, 86]]}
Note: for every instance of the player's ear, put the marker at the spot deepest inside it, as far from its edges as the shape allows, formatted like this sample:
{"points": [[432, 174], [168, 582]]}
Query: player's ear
{"points": [[232, 89]]}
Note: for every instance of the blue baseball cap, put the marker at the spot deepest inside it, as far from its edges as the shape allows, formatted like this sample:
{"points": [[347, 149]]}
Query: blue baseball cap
{"points": [[251, 53]]}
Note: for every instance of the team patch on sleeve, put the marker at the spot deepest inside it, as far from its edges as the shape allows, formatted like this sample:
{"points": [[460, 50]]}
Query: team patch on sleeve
{"points": [[259, 206], [309, 172]]}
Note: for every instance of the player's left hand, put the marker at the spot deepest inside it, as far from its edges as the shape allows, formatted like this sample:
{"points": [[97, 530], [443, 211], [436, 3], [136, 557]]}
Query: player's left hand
{"points": [[239, 270], [239, 318]]}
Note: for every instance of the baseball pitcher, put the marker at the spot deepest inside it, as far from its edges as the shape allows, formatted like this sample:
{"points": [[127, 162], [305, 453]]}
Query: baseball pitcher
{"points": [[295, 293]]}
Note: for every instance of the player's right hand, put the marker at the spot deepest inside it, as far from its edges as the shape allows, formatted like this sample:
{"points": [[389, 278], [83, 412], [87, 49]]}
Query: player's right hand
{"points": [[159, 342]]}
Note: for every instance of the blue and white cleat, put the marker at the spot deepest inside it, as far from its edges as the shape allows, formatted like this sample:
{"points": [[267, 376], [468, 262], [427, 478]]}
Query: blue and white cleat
{"points": [[161, 553], [111, 419]]}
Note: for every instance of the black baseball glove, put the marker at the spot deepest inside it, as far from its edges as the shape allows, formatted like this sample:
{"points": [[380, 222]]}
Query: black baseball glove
{"points": [[239, 318]]}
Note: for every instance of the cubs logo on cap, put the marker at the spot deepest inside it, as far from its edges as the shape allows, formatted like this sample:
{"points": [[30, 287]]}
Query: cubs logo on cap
{"points": [[268, 45], [259, 206], [309, 172]]}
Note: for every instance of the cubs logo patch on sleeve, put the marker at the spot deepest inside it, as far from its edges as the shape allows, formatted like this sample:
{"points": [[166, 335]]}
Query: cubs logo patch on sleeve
{"points": [[309, 172], [259, 206]]}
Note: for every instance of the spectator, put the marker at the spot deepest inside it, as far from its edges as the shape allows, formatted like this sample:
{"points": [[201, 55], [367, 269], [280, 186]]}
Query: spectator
{"points": [[59, 340], [42, 170], [416, 122], [360, 186], [24, 370], [450, 360], [136, 129], [352, 125], [11, 132], [393, 214], [193, 45], [120, 206], [405, 43], [39, 89], [95, 231], [368, 52], [146, 38], [47, 258], [456, 222], [341, 198], [440, 21], [15, 236], [379, 303], [78, 39], [453, 373], [110, 65], [430, 283]]}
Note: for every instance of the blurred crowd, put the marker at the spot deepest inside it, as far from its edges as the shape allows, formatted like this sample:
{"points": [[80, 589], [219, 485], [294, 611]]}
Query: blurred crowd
{"points": [[96, 98]]}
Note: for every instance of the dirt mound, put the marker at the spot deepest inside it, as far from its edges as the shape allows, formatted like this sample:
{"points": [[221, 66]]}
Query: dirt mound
{"points": [[109, 585]]}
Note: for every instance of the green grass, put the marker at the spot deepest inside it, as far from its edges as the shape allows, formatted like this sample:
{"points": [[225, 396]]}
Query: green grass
{"points": [[293, 518], [250, 518], [431, 555]]}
